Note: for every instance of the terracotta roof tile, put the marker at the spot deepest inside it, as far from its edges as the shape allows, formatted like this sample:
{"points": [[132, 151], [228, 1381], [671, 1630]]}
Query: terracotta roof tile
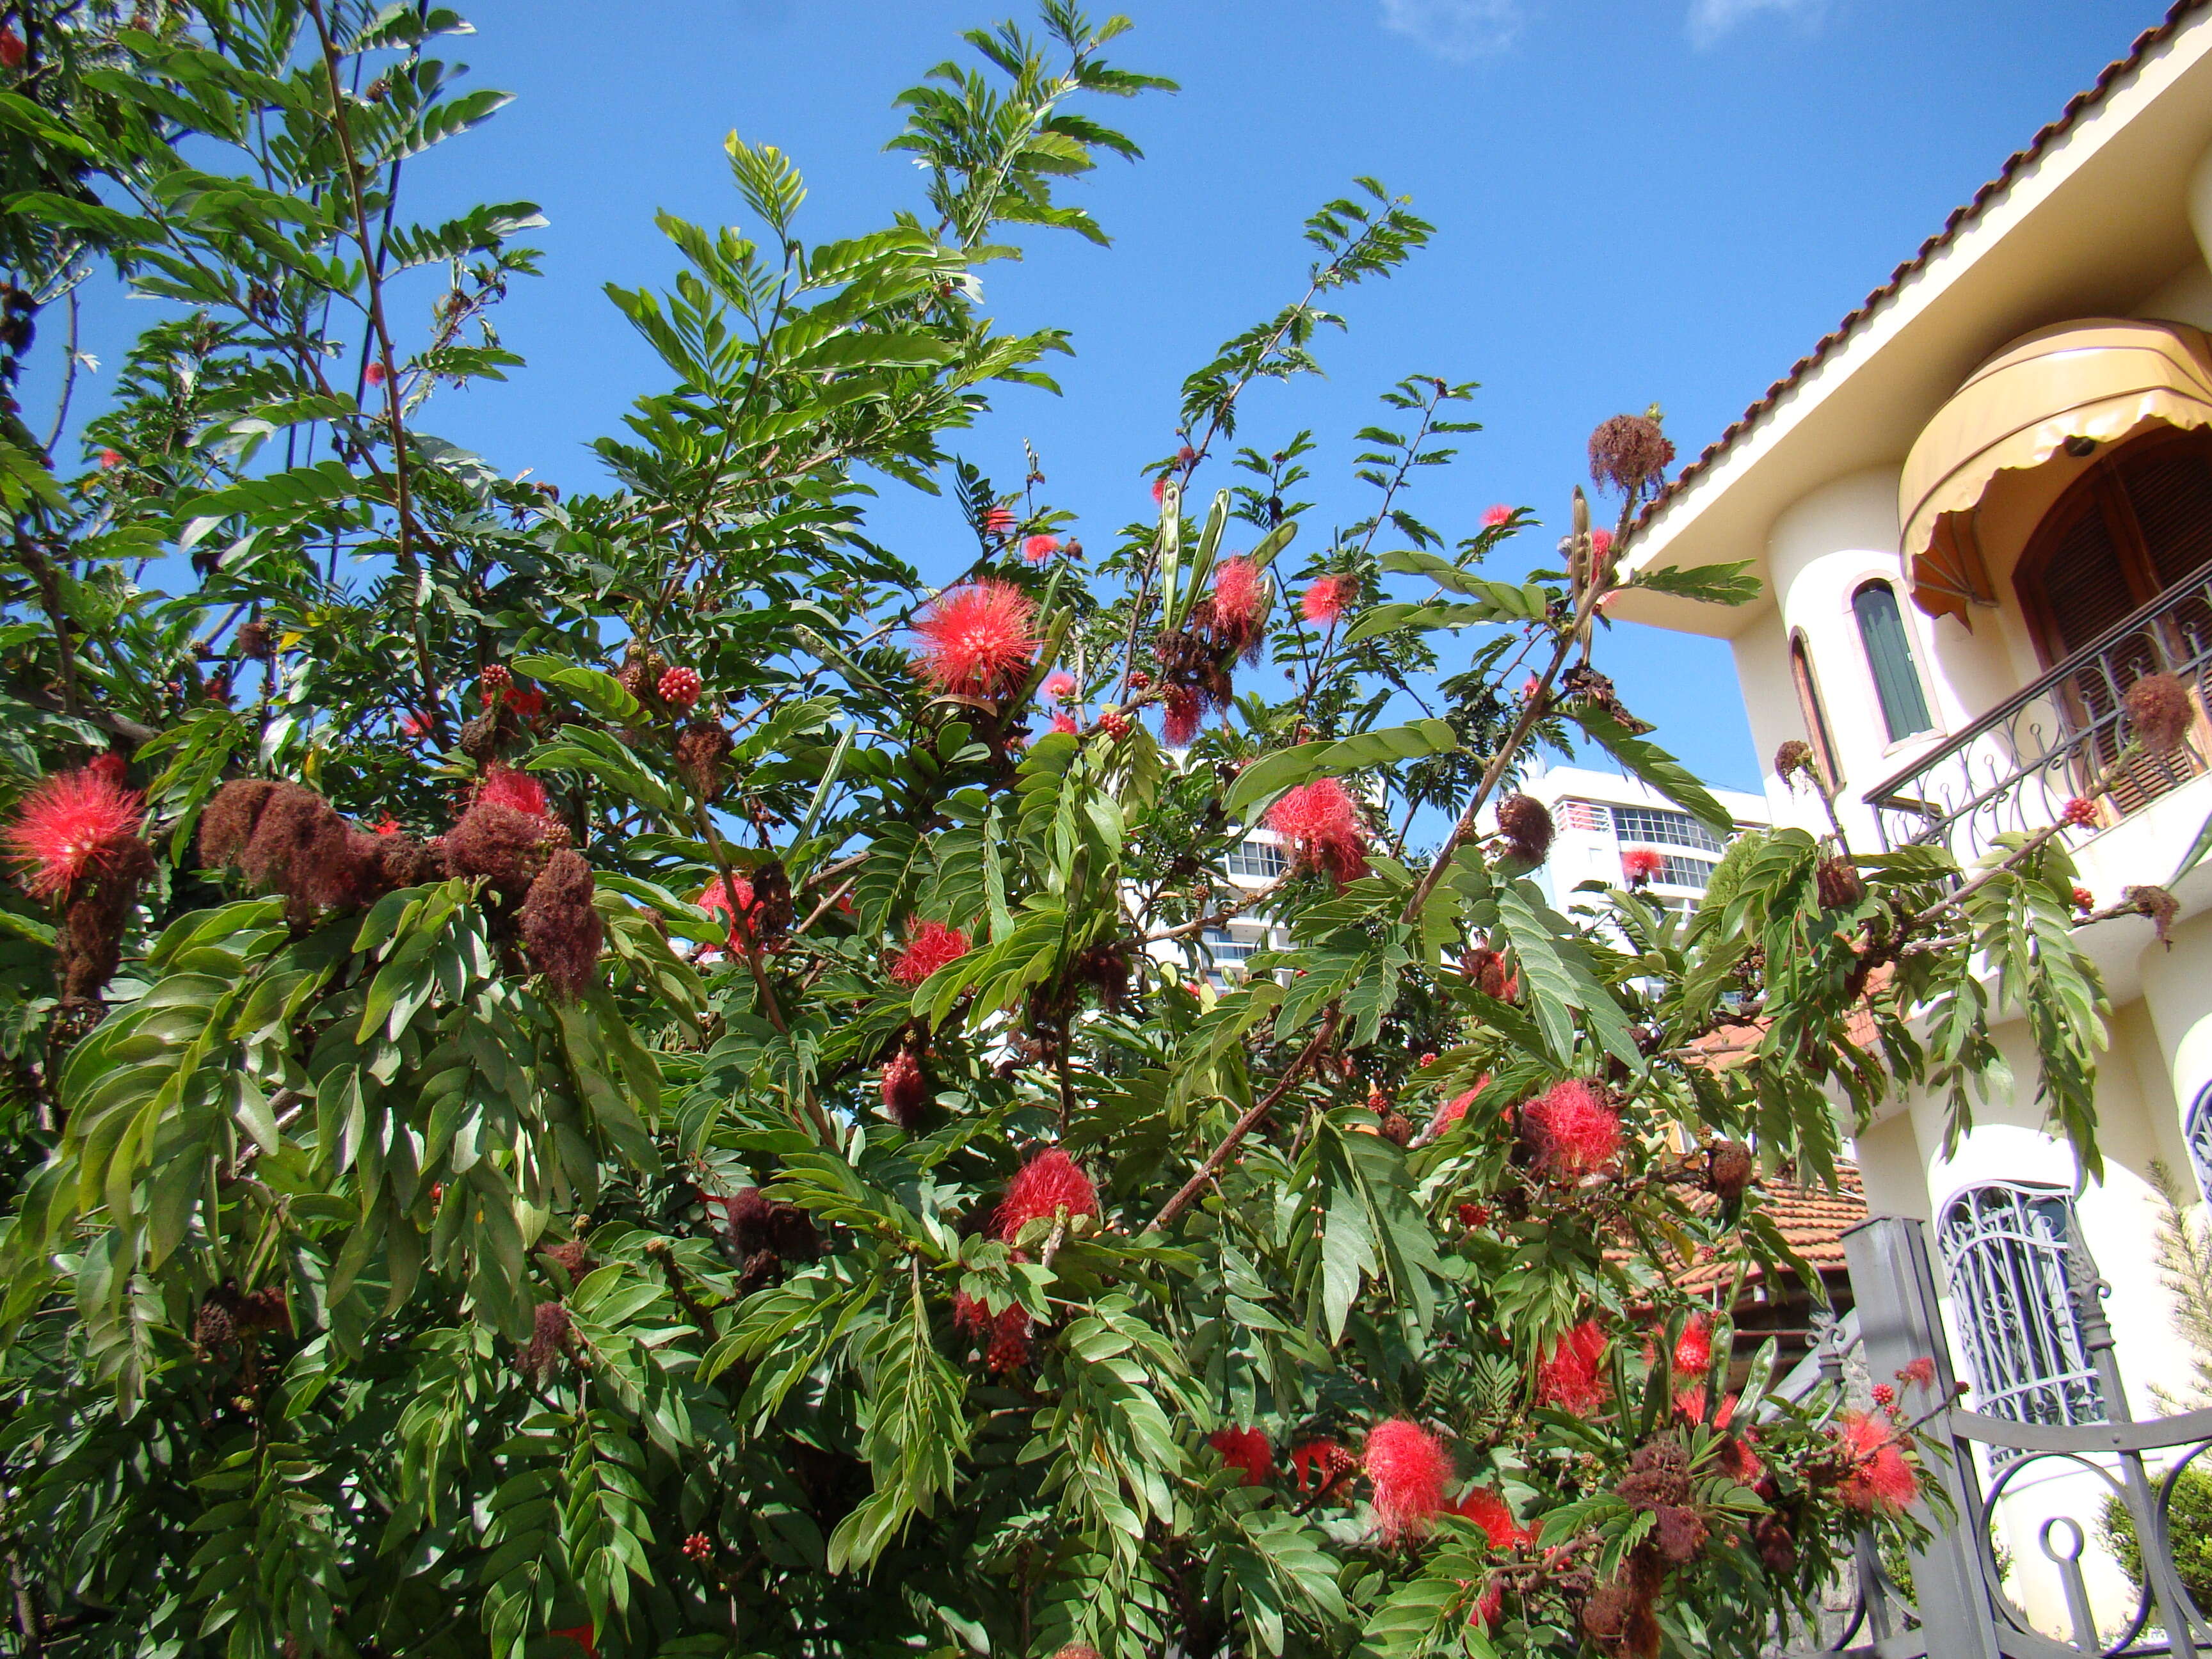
{"points": [[1812, 1218], [2081, 103]]}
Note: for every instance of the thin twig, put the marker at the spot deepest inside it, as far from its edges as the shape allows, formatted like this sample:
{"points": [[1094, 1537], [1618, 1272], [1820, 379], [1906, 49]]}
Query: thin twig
{"points": [[1244, 1125]]}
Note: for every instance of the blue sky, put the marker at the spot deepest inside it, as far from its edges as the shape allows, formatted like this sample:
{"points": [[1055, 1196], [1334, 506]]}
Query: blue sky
{"points": [[1636, 200]]}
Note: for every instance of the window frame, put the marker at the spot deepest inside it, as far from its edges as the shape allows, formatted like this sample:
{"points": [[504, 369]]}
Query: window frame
{"points": [[1667, 826], [1910, 667], [2099, 490], [1812, 708], [2196, 1137], [1997, 1235]]}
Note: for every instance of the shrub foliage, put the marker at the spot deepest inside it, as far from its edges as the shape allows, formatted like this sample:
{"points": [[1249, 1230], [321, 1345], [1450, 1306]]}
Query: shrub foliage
{"points": [[614, 1072]]}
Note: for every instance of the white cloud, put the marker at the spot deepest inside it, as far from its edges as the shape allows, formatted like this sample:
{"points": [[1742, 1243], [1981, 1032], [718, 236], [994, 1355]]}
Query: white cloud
{"points": [[1457, 29], [1711, 19]]}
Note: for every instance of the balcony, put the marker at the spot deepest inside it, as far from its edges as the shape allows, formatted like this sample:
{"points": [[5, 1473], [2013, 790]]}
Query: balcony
{"points": [[2016, 767]]}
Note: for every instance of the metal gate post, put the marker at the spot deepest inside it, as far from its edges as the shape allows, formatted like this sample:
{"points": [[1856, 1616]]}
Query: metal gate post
{"points": [[1894, 1290]]}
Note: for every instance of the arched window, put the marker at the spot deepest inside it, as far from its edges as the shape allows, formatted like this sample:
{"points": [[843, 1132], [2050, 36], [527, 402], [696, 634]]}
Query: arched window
{"points": [[1889, 654], [2136, 526], [2196, 1128], [2004, 1251], [1808, 705]]}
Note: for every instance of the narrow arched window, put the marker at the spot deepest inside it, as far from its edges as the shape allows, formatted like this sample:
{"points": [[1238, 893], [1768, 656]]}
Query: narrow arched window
{"points": [[2004, 1249], [1816, 719], [1889, 655]]}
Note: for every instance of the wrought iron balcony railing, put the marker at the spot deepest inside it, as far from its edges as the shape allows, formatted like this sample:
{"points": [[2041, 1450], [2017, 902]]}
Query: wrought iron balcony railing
{"points": [[2062, 736]]}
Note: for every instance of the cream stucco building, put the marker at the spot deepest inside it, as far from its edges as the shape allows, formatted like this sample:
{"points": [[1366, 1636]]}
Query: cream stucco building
{"points": [[1981, 508]]}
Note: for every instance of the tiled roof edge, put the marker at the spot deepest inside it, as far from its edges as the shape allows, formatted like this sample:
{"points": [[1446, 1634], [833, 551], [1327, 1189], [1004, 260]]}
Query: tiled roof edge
{"points": [[1960, 218]]}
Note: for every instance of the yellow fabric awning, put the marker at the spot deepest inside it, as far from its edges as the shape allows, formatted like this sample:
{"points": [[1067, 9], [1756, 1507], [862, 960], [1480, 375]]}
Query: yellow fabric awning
{"points": [[2102, 377]]}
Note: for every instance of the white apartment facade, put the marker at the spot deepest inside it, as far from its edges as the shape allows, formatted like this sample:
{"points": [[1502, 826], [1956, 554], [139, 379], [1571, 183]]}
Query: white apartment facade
{"points": [[1981, 508], [1600, 816]]}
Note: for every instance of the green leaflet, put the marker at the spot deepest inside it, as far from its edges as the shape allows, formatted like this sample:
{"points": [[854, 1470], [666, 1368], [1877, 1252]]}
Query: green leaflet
{"points": [[1558, 973], [1271, 774], [1656, 767]]}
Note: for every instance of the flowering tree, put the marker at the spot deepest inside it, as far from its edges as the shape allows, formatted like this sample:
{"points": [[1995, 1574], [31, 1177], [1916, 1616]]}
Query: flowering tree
{"points": [[615, 1074]]}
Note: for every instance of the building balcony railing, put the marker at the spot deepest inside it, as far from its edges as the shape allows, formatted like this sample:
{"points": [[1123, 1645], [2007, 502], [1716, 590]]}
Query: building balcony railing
{"points": [[2063, 736]]}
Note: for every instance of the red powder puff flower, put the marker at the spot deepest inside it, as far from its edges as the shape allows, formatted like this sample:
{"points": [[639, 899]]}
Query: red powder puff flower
{"points": [[528, 704], [1494, 516], [998, 522], [1319, 1464], [1325, 600], [582, 1636], [1490, 1512], [416, 724], [1921, 1372], [1693, 1349], [74, 825], [1569, 1376], [717, 901], [109, 460], [1179, 716], [1601, 542], [929, 946], [387, 825], [1247, 1449], [1064, 722], [1640, 865], [1410, 1469], [1571, 1129], [1160, 490], [375, 375], [1319, 819], [13, 49], [1049, 1183], [1037, 549], [905, 1090], [1876, 1475], [502, 786], [1456, 1109], [978, 641], [1058, 685], [1474, 1215], [1744, 1466], [1240, 596]]}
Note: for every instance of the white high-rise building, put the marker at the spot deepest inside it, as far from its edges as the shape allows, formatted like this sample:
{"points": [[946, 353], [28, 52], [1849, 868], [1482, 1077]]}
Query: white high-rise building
{"points": [[1601, 816]]}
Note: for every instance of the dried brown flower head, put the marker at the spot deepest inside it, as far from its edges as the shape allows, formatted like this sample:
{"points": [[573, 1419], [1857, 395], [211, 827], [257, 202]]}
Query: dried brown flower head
{"points": [[2160, 906], [1729, 1169], [508, 848], [1795, 756], [560, 926], [1629, 453], [256, 642], [701, 749], [2160, 711], [551, 1331], [1526, 824], [1839, 883], [227, 824]]}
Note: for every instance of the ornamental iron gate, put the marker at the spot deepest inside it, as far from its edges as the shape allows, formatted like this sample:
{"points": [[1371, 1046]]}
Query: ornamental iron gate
{"points": [[1960, 1607]]}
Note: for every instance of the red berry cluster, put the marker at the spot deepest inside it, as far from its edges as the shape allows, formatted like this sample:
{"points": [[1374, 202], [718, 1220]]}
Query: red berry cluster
{"points": [[1113, 723], [495, 679], [679, 688], [698, 1546], [2080, 812]]}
